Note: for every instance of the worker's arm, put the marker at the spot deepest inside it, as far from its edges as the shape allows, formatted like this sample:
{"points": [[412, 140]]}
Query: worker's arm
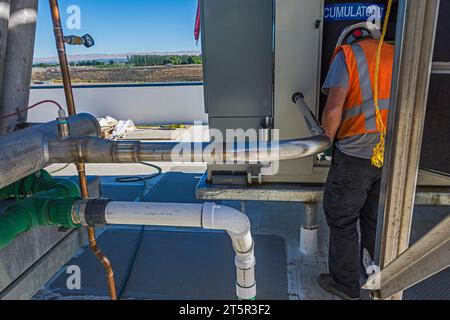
{"points": [[332, 114], [336, 87]]}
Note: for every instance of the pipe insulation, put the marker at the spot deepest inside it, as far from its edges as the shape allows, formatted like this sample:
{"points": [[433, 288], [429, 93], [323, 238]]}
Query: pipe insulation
{"points": [[209, 216], [25, 152]]}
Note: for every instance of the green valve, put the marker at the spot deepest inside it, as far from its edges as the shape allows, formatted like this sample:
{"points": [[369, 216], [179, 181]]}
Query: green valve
{"points": [[41, 201], [32, 212], [54, 212]]}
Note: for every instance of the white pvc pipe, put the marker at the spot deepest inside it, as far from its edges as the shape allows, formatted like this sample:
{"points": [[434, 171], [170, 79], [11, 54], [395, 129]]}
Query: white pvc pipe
{"points": [[208, 216], [237, 224], [155, 214]]}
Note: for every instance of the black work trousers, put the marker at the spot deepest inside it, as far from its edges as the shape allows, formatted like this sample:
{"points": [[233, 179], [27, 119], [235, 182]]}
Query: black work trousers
{"points": [[352, 194]]}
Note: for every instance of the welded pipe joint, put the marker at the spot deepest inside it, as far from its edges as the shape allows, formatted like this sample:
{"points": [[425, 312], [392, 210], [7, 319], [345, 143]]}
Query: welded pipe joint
{"points": [[127, 152]]}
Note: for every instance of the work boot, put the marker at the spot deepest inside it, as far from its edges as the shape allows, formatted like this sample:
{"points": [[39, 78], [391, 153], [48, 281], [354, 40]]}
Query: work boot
{"points": [[327, 283]]}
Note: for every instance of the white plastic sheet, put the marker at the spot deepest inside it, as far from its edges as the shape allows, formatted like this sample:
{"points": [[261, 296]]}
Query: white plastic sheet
{"points": [[121, 128]]}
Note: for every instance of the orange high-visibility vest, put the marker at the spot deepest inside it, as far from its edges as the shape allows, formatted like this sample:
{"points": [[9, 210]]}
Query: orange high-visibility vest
{"points": [[359, 115]]}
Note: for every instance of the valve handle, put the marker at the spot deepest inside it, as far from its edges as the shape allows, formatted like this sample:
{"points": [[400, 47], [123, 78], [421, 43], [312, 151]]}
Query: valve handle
{"points": [[85, 40]]}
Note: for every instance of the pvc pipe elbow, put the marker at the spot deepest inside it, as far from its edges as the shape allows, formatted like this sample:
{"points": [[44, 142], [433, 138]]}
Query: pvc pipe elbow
{"points": [[217, 217]]}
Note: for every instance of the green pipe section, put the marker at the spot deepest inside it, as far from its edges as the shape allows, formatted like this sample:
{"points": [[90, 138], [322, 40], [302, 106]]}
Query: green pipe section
{"points": [[33, 212], [37, 183], [14, 222], [41, 201]]}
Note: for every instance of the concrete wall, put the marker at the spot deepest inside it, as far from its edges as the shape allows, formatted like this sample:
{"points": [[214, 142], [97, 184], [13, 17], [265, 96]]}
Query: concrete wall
{"points": [[144, 104]]}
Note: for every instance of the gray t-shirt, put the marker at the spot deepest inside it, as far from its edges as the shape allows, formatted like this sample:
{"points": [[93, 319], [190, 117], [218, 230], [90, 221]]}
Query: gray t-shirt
{"points": [[358, 146]]}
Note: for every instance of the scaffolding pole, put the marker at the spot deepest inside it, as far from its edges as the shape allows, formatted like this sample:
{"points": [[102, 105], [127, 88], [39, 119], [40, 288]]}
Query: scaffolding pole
{"points": [[427, 257], [412, 69]]}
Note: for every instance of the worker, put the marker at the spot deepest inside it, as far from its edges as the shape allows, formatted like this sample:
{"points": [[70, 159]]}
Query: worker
{"points": [[353, 185]]}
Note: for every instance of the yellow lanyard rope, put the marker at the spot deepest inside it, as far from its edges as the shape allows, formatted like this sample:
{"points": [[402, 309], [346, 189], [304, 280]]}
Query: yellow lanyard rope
{"points": [[378, 152]]}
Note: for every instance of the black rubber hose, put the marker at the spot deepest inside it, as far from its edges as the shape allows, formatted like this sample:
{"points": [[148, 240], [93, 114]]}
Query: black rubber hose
{"points": [[144, 180]]}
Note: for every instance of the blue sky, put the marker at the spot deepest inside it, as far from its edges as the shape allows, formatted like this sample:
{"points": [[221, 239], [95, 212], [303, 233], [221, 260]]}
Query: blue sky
{"points": [[122, 26]]}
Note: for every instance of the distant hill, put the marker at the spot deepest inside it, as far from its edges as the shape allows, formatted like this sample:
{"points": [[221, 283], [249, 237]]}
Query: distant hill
{"points": [[114, 57]]}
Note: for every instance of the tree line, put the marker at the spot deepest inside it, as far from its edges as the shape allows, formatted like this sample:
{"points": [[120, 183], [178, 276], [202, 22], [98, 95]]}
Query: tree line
{"points": [[135, 60], [143, 60]]}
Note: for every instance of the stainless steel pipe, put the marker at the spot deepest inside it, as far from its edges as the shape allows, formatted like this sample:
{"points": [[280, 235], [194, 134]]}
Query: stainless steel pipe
{"points": [[27, 151], [24, 152], [94, 150], [313, 125]]}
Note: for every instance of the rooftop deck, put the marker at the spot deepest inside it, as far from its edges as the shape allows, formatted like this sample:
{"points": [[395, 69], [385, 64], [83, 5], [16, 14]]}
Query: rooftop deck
{"points": [[164, 263]]}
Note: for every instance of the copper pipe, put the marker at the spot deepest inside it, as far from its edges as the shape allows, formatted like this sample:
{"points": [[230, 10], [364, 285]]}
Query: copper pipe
{"points": [[104, 261], [64, 65], [81, 167]]}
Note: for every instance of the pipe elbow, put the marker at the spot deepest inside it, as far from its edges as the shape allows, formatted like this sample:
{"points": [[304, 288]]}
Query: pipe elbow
{"points": [[217, 217], [306, 147]]}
